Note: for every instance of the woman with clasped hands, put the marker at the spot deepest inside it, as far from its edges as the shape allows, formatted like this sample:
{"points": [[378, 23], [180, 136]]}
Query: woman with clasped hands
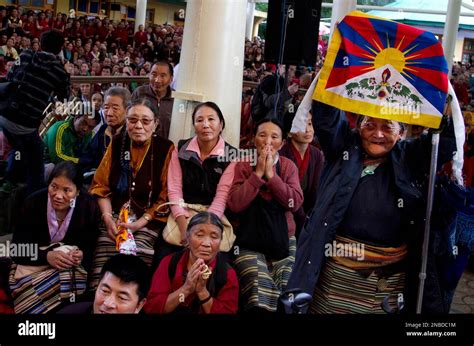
{"points": [[197, 279]]}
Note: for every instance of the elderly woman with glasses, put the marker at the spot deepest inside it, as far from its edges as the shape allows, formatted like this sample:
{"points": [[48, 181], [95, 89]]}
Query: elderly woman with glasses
{"points": [[132, 175]]}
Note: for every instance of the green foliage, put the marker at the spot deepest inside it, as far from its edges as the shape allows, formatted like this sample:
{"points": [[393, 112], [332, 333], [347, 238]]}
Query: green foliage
{"points": [[326, 12], [261, 6]]}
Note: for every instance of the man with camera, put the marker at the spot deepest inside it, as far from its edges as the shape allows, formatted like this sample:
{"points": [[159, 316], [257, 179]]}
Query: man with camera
{"points": [[31, 85]]}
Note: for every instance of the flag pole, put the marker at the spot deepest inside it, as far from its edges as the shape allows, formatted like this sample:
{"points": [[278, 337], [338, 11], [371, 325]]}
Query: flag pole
{"points": [[449, 38], [429, 208]]}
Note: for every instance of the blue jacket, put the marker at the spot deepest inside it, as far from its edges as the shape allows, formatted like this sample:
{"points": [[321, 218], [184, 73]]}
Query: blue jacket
{"points": [[95, 150], [343, 153]]}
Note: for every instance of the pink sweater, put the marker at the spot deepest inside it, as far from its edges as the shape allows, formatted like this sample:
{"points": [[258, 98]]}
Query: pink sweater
{"points": [[285, 189], [175, 180]]}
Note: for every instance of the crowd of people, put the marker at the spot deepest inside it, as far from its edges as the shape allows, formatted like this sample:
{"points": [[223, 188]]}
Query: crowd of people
{"points": [[112, 155], [93, 46]]}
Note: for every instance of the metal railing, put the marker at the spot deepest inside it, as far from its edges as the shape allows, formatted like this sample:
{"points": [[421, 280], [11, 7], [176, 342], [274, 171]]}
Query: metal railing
{"points": [[109, 79], [52, 115], [138, 79]]}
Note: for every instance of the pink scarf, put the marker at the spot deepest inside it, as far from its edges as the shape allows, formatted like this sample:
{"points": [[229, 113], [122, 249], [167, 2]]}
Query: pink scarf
{"points": [[57, 233]]}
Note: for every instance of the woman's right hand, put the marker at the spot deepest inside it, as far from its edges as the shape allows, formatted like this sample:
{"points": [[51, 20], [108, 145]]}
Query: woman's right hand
{"points": [[194, 273], [59, 260], [111, 227]]}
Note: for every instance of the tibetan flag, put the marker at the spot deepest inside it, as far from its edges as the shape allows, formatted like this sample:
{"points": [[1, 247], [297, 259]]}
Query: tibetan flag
{"points": [[384, 69]]}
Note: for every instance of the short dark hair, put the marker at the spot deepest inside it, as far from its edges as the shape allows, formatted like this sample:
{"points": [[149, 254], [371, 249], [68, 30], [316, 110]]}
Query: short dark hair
{"points": [[214, 107], [165, 63], [121, 92], [129, 269], [107, 67], [69, 170], [143, 101], [273, 121], [52, 41], [205, 217]]}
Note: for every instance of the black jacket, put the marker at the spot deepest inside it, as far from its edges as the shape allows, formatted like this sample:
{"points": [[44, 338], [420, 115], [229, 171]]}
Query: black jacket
{"points": [[95, 149], [33, 227], [41, 76], [271, 95], [200, 180], [343, 153]]}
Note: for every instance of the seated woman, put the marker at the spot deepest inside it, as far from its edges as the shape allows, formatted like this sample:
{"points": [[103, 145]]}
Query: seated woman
{"points": [[197, 172], [197, 279], [42, 280], [264, 197], [132, 175], [359, 251], [310, 161]]}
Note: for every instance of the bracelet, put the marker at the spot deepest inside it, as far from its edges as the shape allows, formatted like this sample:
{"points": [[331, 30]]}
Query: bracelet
{"points": [[202, 302], [147, 217], [107, 214]]}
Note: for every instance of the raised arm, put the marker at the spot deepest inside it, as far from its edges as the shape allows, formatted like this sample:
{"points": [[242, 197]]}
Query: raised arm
{"points": [[331, 128]]}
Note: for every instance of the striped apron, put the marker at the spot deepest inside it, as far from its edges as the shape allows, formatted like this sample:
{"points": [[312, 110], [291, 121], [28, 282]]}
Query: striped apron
{"points": [[349, 285], [46, 289], [261, 281]]}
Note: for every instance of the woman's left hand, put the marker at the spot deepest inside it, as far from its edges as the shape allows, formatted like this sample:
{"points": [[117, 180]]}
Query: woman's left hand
{"points": [[201, 283], [76, 256], [269, 163], [133, 226]]}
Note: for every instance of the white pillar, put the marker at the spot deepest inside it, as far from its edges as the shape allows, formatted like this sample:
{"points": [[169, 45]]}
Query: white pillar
{"points": [[450, 31], [211, 65], [140, 13], [339, 9], [256, 26], [250, 19]]}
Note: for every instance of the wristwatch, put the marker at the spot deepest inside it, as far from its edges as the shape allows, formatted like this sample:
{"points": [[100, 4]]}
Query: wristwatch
{"points": [[146, 217]]}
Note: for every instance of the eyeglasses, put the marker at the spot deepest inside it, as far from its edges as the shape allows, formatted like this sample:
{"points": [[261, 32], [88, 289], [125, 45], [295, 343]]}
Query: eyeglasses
{"points": [[145, 121]]}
